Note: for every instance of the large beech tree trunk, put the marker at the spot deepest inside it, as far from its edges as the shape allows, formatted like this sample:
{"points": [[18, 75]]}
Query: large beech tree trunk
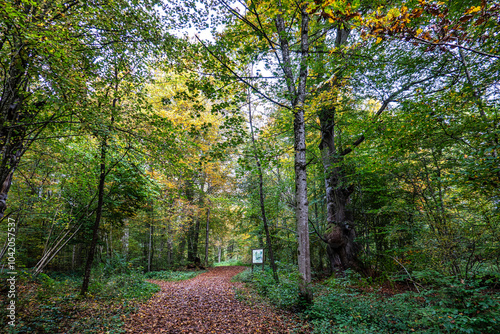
{"points": [[340, 235]]}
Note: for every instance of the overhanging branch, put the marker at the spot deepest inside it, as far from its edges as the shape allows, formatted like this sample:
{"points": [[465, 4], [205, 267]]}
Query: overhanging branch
{"points": [[240, 78], [382, 108]]}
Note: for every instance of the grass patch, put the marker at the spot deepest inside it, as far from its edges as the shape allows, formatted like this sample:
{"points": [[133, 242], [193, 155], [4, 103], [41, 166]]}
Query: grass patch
{"points": [[231, 263], [168, 275]]}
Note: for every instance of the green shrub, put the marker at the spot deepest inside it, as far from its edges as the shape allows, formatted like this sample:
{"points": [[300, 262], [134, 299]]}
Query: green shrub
{"points": [[354, 312], [447, 305], [123, 286], [284, 294], [245, 276], [461, 306]]}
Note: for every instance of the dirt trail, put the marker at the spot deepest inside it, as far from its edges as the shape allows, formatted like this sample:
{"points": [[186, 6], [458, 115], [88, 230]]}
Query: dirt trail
{"points": [[204, 304]]}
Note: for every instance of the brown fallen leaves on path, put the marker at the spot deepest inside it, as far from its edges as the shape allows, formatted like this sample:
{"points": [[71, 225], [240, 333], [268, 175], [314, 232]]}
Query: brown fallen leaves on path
{"points": [[204, 304]]}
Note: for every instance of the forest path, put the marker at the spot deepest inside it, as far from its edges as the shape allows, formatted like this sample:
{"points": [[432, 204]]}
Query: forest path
{"points": [[204, 304]]}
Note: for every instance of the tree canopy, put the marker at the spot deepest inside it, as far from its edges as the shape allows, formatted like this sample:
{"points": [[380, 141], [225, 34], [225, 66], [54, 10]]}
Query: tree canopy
{"points": [[339, 136]]}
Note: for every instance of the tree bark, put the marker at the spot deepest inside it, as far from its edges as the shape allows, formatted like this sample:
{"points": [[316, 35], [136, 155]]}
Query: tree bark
{"points": [[193, 232], [150, 246], [100, 196], [219, 253], [207, 232], [261, 190], [12, 135], [125, 241], [97, 221], [341, 233], [297, 96]]}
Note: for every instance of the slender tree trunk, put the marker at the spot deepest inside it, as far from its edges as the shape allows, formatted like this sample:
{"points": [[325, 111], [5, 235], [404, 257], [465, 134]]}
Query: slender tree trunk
{"points": [[207, 232], [73, 257], [261, 190], [100, 196], [97, 221], [58, 245], [111, 240], [193, 232], [219, 253], [169, 244], [125, 241], [180, 250], [150, 246], [302, 210]]}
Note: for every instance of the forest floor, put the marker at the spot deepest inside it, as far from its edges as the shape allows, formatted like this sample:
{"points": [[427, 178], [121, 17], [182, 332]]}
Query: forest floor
{"points": [[208, 304]]}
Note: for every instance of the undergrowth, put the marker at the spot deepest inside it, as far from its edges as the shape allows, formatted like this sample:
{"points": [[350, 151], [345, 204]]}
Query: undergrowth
{"points": [[353, 304], [50, 303]]}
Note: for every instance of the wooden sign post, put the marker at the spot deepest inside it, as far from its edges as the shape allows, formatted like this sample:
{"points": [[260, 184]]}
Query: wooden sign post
{"points": [[258, 257]]}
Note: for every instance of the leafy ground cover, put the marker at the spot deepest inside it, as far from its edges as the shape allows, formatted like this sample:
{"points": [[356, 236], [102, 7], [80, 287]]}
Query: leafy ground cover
{"points": [[207, 303]]}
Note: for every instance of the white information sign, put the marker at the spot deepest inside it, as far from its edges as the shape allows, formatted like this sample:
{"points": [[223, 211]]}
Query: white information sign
{"points": [[257, 256]]}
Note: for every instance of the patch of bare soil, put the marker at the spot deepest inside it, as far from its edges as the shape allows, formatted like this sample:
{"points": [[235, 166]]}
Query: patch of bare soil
{"points": [[205, 304]]}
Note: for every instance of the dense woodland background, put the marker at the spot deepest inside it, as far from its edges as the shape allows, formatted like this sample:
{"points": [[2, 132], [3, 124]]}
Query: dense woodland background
{"points": [[126, 138]]}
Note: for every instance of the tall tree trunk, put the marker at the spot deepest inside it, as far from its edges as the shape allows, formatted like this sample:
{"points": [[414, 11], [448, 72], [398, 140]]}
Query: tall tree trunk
{"points": [[73, 258], [341, 247], [97, 221], [193, 232], [169, 244], [219, 252], [111, 240], [125, 241], [180, 250], [13, 115], [151, 232], [100, 195], [261, 190], [207, 232], [18, 128], [193, 240], [297, 95], [150, 246], [340, 235]]}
